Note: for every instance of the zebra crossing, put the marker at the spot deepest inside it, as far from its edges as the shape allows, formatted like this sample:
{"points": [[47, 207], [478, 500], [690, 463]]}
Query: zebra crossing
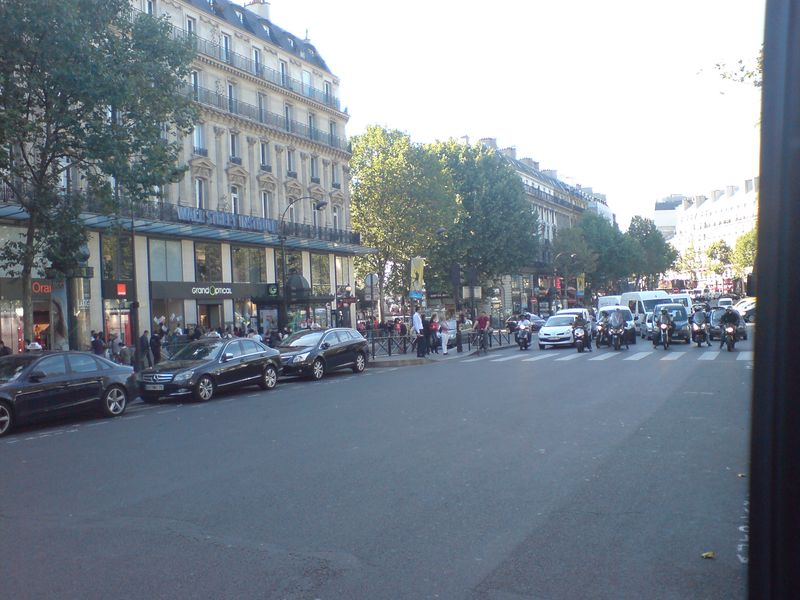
{"points": [[669, 356]]}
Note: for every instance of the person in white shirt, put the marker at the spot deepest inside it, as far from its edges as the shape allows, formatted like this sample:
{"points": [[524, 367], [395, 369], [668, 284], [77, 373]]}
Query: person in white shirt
{"points": [[416, 325]]}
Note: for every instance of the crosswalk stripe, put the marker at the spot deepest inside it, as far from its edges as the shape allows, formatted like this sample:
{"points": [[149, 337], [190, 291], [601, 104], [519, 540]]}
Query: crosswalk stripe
{"points": [[570, 356], [474, 359], [708, 355], [673, 356], [605, 356], [638, 356], [505, 358], [537, 357], [745, 355]]}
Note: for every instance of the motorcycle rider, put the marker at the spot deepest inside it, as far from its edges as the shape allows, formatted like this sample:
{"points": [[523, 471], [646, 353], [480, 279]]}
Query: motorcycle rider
{"points": [[602, 328], [663, 318], [697, 309], [617, 320], [522, 324], [729, 317], [581, 323]]}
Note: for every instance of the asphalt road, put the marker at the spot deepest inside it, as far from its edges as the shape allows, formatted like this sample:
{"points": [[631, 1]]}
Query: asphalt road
{"points": [[537, 475]]}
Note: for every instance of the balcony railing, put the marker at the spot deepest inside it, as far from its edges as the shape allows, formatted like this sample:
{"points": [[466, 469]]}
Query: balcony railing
{"points": [[537, 193], [236, 160], [248, 111], [198, 151]]}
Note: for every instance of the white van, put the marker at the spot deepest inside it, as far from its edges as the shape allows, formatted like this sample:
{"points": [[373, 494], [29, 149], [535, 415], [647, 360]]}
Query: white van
{"points": [[684, 299], [607, 301], [641, 303]]}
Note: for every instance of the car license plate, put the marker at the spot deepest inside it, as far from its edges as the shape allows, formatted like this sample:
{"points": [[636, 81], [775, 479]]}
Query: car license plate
{"points": [[153, 387]]}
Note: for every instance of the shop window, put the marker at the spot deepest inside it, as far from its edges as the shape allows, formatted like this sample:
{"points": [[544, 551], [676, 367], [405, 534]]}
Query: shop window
{"points": [[208, 261], [168, 313], [342, 270], [245, 314], [320, 275], [117, 257], [166, 262], [249, 265]]}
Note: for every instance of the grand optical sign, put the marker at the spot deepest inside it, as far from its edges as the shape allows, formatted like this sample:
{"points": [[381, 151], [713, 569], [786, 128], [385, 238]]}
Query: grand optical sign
{"points": [[218, 218], [212, 290]]}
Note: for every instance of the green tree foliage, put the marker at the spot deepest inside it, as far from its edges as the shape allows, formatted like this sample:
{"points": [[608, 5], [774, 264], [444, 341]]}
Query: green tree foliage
{"points": [[607, 242], [655, 254], [719, 256], [400, 197], [90, 87], [689, 261], [493, 227], [573, 253], [743, 256]]}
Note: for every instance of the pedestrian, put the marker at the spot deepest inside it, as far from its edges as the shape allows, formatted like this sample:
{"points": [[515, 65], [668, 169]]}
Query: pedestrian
{"points": [[145, 354], [444, 332], [4, 350], [116, 343], [416, 327], [426, 334], [483, 330], [155, 348], [98, 346], [433, 344]]}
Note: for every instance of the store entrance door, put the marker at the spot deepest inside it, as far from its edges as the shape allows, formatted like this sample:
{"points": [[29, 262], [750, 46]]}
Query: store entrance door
{"points": [[209, 316]]}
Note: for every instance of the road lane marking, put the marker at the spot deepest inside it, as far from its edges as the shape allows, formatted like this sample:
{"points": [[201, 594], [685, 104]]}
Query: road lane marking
{"points": [[605, 356], [673, 356], [537, 357], [475, 359], [638, 356], [745, 355], [570, 356], [708, 355], [98, 423], [505, 358], [169, 410]]}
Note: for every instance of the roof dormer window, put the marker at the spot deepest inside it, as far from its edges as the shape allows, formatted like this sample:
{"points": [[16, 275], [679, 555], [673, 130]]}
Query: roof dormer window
{"points": [[265, 27], [240, 15], [291, 43]]}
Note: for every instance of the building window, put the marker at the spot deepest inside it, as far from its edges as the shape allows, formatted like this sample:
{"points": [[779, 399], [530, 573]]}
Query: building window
{"points": [[287, 117], [240, 16], [314, 166], [257, 61], [312, 121], [198, 138], [332, 131], [191, 26], [290, 213], [266, 205], [166, 262], [320, 275], [149, 7], [231, 98], [328, 92], [208, 261], [117, 257], [335, 217], [284, 71], [200, 200], [314, 213], [249, 265], [335, 174], [341, 270], [195, 79], [264, 154], [290, 162], [294, 263], [234, 137], [226, 47], [306, 83], [262, 108], [235, 208]]}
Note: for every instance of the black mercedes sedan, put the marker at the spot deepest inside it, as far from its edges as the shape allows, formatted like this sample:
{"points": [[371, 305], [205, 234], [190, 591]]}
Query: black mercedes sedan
{"points": [[40, 385], [202, 367], [313, 353]]}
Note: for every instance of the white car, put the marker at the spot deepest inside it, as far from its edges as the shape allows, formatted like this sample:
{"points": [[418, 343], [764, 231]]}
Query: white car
{"points": [[557, 331]]}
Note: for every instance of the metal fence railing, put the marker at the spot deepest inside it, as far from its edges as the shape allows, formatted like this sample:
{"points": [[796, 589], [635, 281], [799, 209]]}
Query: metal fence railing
{"points": [[381, 345]]}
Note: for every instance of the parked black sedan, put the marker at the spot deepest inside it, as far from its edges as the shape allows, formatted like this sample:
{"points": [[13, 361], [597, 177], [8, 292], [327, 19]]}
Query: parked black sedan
{"points": [[202, 367], [314, 353], [40, 385]]}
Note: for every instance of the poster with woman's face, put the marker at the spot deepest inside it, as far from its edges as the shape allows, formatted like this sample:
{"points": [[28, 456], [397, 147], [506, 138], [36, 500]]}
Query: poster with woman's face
{"points": [[59, 334]]}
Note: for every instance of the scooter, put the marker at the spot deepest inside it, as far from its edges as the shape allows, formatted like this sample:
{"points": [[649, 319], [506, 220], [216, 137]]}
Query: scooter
{"points": [[663, 335], [524, 337], [579, 333], [730, 337], [700, 334], [601, 335], [616, 336]]}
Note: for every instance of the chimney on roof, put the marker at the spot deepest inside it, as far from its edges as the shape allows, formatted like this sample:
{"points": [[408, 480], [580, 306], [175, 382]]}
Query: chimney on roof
{"points": [[717, 194], [260, 7], [551, 173], [530, 162], [731, 190], [464, 139], [510, 152], [488, 143], [698, 200]]}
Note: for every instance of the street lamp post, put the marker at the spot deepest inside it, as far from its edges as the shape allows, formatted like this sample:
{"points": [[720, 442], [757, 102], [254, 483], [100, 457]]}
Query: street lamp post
{"points": [[320, 204]]}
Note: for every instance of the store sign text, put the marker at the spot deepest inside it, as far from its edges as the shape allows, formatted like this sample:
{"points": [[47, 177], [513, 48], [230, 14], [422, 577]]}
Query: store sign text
{"points": [[41, 288], [225, 219], [212, 291]]}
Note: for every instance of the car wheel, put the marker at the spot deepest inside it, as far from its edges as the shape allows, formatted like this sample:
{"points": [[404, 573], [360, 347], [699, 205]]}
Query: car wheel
{"points": [[114, 402], [6, 418], [204, 390], [317, 369], [360, 364], [269, 378]]}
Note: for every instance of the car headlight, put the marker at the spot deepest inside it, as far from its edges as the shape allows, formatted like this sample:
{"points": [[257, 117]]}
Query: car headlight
{"points": [[183, 377], [300, 357]]}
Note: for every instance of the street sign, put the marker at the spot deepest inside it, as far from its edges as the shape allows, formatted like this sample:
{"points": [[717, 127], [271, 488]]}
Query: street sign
{"points": [[371, 280]]}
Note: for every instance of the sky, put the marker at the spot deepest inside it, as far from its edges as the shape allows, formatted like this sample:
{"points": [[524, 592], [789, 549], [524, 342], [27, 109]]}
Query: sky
{"points": [[618, 95]]}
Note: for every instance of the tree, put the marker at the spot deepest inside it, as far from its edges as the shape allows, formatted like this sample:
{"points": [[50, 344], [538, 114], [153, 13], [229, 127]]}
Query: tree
{"points": [[399, 199], [743, 256], [606, 241], [656, 254], [745, 72], [575, 256], [494, 228], [87, 92], [689, 261], [719, 255]]}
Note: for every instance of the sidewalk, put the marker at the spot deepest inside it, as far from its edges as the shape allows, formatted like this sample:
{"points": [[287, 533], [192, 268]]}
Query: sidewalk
{"points": [[411, 359]]}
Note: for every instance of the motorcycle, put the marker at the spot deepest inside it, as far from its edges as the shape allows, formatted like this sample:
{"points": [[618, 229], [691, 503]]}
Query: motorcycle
{"points": [[663, 335], [730, 336], [579, 333], [616, 332], [699, 329], [600, 336], [524, 337]]}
